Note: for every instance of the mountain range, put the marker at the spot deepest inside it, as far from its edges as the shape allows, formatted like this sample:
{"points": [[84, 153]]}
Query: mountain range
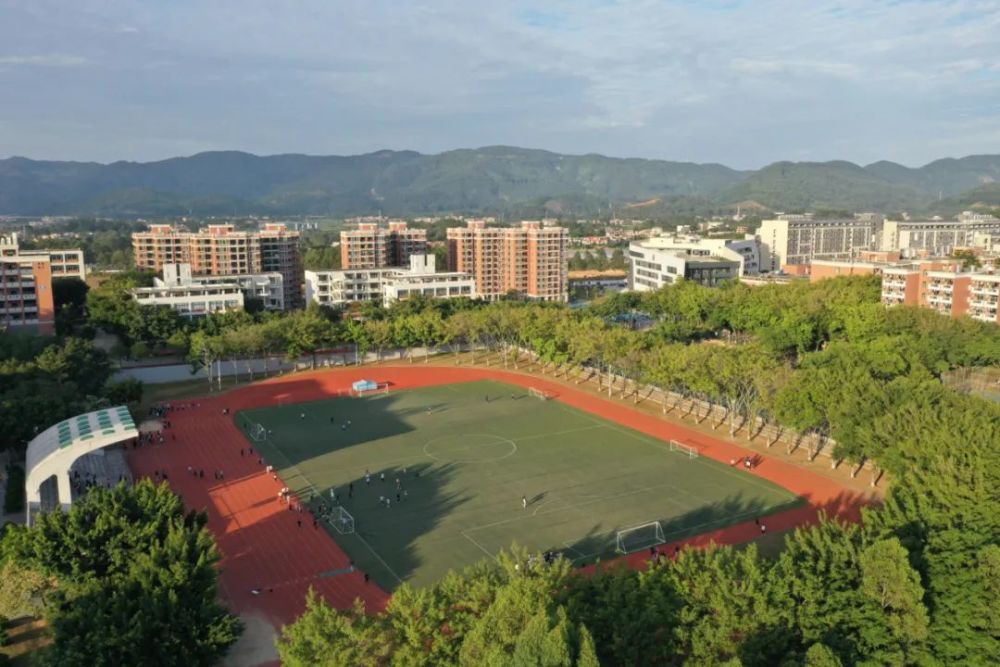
{"points": [[495, 179]]}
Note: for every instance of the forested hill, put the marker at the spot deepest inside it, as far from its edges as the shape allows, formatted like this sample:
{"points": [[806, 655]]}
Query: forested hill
{"points": [[495, 179]]}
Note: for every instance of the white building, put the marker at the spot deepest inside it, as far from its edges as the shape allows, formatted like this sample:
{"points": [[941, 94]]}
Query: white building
{"points": [[937, 237], [269, 288], [664, 260], [337, 288], [798, 239], [64, 263], [187, 296]]}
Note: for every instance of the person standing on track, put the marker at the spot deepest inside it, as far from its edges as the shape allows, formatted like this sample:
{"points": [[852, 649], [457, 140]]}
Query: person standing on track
{"points": [[524, 502]]}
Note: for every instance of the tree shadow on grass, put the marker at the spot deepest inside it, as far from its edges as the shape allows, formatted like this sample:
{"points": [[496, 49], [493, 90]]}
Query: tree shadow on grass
{"points": [[600, 542], [385, 533]]}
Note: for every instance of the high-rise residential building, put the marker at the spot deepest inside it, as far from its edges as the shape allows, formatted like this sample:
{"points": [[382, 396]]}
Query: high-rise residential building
{"points": [[941, 285], [373, 247], [220, 250], [63, 263], [529, 260], [26, 299], [791, 240]]}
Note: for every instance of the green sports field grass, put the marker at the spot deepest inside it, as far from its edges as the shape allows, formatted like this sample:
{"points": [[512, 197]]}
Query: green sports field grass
{"points": [[465, 463]]}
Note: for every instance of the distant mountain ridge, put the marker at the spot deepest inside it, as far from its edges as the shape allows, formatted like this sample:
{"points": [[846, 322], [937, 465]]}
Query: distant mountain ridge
{"points": [[494, 179]]}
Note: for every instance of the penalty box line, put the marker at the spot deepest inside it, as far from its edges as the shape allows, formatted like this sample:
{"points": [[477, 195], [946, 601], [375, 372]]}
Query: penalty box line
{"points": [[665, 446], [697, 527]]}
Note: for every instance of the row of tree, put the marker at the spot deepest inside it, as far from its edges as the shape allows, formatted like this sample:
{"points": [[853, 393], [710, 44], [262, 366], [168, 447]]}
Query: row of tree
{"points": [[824, 359], [587, 260]]}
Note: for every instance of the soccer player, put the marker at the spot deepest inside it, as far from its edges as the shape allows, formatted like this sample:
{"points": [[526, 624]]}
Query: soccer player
{"points": [[368, 477], [381, 476], [302, 415]]}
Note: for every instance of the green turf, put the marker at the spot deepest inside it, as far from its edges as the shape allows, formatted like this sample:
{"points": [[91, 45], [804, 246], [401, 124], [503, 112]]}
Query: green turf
{"points": [[468, 463]]}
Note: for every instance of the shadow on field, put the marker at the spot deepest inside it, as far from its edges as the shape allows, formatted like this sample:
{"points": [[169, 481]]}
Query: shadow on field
{"points": [[304, 430], [415, 507], [600, 542]]}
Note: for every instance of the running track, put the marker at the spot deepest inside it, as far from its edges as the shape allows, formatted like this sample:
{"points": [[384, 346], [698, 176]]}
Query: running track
{"points": [[264, 548]]}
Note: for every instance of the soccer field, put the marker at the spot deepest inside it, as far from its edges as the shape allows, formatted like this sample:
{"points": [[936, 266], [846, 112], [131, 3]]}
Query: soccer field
{"points": [[465, 455]]}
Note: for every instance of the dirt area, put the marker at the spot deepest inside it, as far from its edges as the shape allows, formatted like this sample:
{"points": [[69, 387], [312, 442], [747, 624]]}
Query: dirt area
{"points": [[256, 646]]}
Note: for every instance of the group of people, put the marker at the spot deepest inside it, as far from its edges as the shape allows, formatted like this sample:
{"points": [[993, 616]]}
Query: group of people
{"points": [[82, 483]]}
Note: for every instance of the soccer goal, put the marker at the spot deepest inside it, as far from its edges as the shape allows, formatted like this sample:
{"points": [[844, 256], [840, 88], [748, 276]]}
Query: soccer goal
{"points": [[639, 537], [341, 520], [687, 450], [258, 432], [538, 393]]}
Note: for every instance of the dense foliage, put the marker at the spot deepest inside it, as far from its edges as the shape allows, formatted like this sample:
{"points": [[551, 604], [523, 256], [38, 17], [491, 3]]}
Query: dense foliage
{"points": [[43, 381], [136, 580]]}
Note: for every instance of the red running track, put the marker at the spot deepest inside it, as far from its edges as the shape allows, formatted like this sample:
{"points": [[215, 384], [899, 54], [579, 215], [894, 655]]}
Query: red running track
{"points": [[264, 548]]}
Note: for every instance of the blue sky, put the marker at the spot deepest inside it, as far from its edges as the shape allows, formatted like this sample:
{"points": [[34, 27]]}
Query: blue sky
{"points": [[740, 82]]}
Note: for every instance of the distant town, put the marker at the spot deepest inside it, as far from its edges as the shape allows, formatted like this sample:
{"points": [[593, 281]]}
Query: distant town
{"points": [[201, 268]]}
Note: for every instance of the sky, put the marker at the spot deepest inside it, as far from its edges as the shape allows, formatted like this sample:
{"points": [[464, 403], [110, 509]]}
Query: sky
{"points": [[743, 83]]}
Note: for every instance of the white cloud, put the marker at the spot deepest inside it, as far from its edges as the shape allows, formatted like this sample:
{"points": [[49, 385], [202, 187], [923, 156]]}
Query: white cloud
{"points": [[44, 60]]}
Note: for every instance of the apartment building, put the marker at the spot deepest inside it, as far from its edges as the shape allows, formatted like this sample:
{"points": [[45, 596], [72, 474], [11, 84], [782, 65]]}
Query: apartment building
{"points": [[388, 285], [663, 261], [937, 237], [220, 250], [942, 286], [181, 290], [529, 260], [26, 300], [791, 240], [373, 247], [63, 263]]}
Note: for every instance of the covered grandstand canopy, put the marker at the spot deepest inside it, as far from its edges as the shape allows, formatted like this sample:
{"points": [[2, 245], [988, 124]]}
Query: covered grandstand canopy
{"points": [[53, 451]]}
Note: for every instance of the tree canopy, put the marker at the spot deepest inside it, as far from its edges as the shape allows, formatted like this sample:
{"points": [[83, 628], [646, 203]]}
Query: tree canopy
{"points": [[136, 580]]}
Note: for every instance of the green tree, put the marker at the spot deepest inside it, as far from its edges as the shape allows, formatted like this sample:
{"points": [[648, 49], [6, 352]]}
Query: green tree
{"points": [[137, 580]]}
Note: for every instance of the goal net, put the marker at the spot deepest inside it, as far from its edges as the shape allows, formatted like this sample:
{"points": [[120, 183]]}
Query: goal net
{"points": [[686, 450], [258, 432], [341, 520], [538, 393], [639, 537]]}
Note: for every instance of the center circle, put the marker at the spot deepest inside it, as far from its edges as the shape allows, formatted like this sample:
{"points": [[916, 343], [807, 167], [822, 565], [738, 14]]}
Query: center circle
{"points": [[469, 448]]}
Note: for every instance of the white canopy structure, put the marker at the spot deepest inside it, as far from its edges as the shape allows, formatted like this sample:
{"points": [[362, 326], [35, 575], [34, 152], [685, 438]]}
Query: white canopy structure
{"points": [[53, 451]]}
